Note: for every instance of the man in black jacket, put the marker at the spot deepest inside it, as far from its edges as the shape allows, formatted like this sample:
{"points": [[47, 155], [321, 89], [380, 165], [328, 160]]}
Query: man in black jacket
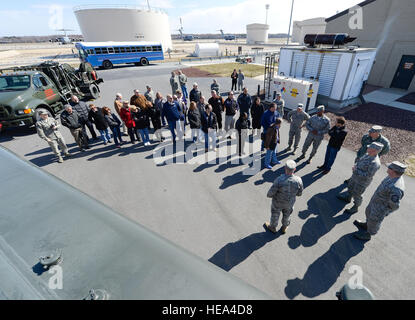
{"points": [[217, 102], [70, 119], [209, 127], [195, 93], [83, 112], [337, 135]]}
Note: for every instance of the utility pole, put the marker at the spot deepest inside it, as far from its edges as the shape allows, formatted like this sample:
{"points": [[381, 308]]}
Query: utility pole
{"points": [[291, 17], [148, 4]]}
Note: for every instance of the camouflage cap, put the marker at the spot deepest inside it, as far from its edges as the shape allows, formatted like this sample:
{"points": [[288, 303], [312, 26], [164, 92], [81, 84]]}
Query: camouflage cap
{"points": [[376, 145], [278, 94], [375, 129], [397, 166], [320, 108], [290, 165], [43, 112], [300, 105]]}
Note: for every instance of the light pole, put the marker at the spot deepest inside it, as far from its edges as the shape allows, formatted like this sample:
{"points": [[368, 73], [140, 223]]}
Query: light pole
{"points": [[266, 13], [291, 17]]}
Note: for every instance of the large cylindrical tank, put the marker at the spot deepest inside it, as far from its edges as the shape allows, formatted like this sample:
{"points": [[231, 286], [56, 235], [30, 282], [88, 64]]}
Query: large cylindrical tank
{"points": [[207, 50], [257, 33], [123, 23]]}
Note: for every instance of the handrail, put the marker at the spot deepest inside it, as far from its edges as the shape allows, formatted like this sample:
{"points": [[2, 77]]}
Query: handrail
{"points": [[117, 6]]}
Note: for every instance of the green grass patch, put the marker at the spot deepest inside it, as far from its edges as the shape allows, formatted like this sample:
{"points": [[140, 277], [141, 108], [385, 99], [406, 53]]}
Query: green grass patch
{"points": [[226, 69]]}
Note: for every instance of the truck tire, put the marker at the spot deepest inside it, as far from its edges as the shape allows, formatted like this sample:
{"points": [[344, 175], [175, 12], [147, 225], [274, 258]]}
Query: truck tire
{"points": [[144, 62], [107, 64], [94, 91]]}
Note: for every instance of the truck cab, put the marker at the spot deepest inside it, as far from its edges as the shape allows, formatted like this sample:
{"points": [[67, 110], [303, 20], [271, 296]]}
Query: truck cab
{"points": [[25, 91], [23, 95]]}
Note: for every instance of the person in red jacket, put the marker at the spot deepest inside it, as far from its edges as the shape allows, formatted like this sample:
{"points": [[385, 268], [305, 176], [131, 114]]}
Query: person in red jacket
{"points": [[126, 116]]}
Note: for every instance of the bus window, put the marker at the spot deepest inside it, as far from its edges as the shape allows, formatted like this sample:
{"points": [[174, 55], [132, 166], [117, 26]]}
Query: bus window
{"points": [[122, 50], [128, 49], [104, 50], [148, 49], [133, 49], [110, 50], [159, 49], [117, 50], [156, 48], [91, 51], [139, 49], [98, 50]]}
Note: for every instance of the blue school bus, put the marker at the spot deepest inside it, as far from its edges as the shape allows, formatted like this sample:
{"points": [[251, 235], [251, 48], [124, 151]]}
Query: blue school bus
{"points": [[108, 54]]}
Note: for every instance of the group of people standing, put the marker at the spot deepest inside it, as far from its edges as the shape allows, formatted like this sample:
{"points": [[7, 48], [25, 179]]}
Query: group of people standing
{"points": [[205, 118], [288, 186]]}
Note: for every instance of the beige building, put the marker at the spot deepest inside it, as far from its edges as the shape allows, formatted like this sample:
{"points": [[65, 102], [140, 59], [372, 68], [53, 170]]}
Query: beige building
{"points": [[310, 26], [389, 26]]}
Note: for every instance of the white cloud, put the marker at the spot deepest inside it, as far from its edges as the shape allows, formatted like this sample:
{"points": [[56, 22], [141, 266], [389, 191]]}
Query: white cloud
{"points": [[235, 18]]}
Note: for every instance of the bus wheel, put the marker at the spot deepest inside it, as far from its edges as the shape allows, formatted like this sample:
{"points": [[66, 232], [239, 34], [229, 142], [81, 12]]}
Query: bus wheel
{"points": [[107, 64], [144, 62]]}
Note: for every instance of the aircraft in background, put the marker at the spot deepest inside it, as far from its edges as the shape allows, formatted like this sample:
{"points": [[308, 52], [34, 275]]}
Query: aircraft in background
{"points": [[228, 37]]}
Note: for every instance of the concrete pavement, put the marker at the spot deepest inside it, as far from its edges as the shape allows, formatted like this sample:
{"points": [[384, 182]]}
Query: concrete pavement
{"points": [[217, 212]]}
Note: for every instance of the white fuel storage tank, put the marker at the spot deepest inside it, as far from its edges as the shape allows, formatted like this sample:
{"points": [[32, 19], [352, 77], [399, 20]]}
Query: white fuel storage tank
{"points": [[100, 23], [257, 33]]}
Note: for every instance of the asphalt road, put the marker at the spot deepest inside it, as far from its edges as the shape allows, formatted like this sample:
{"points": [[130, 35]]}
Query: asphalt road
{"points": [[217, 212]]}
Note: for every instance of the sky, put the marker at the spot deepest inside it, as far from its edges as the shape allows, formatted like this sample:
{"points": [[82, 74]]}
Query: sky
{"points": [[43, 17]]}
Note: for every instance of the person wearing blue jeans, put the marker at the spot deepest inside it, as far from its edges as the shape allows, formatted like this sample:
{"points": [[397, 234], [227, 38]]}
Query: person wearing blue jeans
{"points": [[171, 111], [272, 138], [267, 119], [105, 135], [144, 135], [337, 135], [209, 127], [114, 124], [183, 81]]}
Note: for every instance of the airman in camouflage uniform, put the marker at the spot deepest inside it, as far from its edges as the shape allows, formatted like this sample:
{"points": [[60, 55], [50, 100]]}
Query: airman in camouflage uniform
{"points": [[363, 173], [47, 129], [318, 125], [385, 200], [283, 193], [296, 118], [374, 135], [280, 104]]}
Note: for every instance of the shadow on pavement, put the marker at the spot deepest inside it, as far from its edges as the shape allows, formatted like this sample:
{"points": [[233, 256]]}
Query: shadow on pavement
{"points": [[234, 253], [325, 206], [312, 177], [324, 272], [10, 133]]}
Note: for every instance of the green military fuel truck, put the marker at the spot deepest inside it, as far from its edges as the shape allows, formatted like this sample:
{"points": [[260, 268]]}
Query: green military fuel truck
{"points": [[25, 91]]}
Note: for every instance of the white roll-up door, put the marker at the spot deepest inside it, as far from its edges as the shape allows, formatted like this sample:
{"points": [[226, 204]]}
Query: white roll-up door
{"points": [[297, 65], [328, 73], [312, 65]]}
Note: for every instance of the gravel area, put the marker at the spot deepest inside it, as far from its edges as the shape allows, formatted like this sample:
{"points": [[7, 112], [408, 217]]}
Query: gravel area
{"points": [[193, 72], [398, 126]]}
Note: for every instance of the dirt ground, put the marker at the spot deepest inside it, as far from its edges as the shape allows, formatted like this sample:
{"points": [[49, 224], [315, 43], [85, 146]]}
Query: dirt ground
{"points": [[398, 126], [223, 70]]}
